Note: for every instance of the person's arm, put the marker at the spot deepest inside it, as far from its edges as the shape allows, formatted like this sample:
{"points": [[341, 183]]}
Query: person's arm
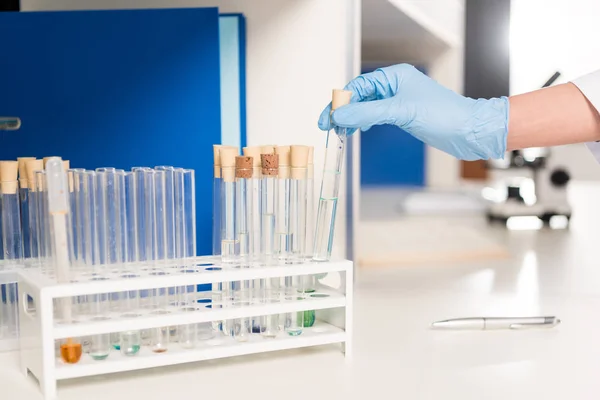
{"points": [[551, 117], [466, 128]]}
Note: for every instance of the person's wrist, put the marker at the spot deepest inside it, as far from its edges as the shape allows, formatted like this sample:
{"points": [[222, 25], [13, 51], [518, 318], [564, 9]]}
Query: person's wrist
{"points": [[488, 127]]}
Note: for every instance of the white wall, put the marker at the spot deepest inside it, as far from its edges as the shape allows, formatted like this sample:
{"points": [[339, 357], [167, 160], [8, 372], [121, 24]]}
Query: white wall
{"points": [[297, 51], [551, 35], [425, 32]]}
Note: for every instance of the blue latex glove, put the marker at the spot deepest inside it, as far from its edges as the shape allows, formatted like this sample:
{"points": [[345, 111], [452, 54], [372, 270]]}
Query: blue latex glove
{"points": [[401, 95]]}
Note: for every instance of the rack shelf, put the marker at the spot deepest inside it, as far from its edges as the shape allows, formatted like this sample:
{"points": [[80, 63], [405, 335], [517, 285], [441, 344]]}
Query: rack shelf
{"points": [[320, 334]]}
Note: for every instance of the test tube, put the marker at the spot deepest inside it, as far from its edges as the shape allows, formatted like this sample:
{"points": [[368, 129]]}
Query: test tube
{"points": [[243, 178], [255, 232], [283, 235], [154, 206], [270, 171], [99, 232], [31, 167], [43, 219], [24, 204], [330, 185], [130, 341], [11, 213], [310, 205], [59, 215], [185, 238], [269, 325], [169, 228], [216, 202], [12, 242], [229, 243], [294, 321]]}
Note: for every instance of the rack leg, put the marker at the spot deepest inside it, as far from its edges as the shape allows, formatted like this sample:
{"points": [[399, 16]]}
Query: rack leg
{"points": [[48, 387]]}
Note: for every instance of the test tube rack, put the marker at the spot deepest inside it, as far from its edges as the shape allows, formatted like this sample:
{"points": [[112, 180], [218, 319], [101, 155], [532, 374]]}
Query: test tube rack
{"points": [[39, 330]]}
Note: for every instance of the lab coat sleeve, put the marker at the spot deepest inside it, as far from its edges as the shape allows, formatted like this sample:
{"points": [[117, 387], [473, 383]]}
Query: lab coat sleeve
{"points": [[590, 87]]}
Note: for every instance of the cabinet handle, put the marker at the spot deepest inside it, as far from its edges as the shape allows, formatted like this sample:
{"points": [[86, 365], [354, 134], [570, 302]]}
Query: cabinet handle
{"points": [[10, 123]]}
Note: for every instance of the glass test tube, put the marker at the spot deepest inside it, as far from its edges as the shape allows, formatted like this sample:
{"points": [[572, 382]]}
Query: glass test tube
{"points": [[31, 167], [185, 239], [294, 321], [255, 230], [283, 234], [168, 256], [216, 202], [12, 244], [130, 341], [43, 218], [330, 185], [59, 215], [310, 204], [24, 204], [243, 178], [99, 233], [144, 259], [11, 213], [155, 248], [269, 325], [230, 246], [229, 243]]}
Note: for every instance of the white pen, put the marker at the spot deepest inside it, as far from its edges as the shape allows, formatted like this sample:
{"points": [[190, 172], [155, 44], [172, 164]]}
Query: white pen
{"points": [[483, 323]]}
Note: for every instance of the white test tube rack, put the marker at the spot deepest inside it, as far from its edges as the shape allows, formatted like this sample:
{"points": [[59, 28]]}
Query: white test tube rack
{"points": [[39, 331]]}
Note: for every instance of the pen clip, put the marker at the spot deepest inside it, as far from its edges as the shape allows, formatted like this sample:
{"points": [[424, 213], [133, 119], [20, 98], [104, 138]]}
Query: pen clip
{"points": [[546, 325]]}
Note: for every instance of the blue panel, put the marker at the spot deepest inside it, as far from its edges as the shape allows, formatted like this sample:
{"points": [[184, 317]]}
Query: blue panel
{"points": [[116, 88], [233, 79], [390, 156]]}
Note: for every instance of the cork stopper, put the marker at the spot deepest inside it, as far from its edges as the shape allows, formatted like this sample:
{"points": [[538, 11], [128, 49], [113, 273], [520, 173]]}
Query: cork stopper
{"points": [[299, 161], [340, 98], [243, 167], [254, 152], [270, 164], [66, 165], [23, 171], [217, 158], [9, 171], [31, 166], [267, 149], [228, 155]]}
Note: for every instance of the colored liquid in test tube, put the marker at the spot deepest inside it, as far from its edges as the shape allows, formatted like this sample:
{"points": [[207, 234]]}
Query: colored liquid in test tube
{"points": [[330, 185]]}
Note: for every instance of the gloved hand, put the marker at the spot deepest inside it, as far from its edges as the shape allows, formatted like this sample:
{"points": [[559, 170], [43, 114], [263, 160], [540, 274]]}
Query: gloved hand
{"points": [[401, 95]]}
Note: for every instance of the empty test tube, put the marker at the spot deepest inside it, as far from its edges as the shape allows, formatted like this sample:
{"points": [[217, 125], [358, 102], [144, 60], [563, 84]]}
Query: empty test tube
{"points": [[229, 243], [31, 166], [155, 246], [24, 204], [243, 177], [11, 213], [255, 224], [283, 234], [330, 185], [185, 239], [310, 205], [269, 325], [12, 245]]}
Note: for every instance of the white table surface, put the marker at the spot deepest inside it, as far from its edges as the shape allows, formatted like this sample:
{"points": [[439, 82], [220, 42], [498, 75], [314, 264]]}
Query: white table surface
{"points": [[397, 356]]}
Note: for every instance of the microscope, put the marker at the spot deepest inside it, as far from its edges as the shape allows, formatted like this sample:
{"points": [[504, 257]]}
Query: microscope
{"points": [[528, 183]]}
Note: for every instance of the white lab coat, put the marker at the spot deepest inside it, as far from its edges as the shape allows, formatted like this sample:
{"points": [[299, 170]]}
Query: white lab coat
{"points": [[590, 86]]}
